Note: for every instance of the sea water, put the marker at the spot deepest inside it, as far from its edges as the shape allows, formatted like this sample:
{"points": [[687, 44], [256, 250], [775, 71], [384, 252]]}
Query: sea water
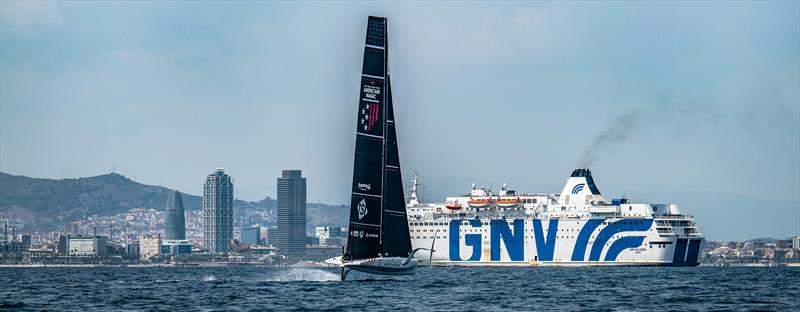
{"points": [[431, 289]]}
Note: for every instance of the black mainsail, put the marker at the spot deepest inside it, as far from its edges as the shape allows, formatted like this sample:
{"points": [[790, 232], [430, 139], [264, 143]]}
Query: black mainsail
{"points": [[378, 225]]}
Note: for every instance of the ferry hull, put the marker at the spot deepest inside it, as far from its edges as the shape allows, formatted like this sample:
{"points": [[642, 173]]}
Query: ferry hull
{"points": [[530, 242]]}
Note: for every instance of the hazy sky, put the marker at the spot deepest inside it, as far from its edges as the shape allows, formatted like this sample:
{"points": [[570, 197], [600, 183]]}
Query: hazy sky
{"points": [[697, 103]]}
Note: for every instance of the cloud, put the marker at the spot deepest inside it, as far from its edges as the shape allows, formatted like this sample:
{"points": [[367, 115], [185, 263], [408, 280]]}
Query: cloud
{"points": [[26, 16]]}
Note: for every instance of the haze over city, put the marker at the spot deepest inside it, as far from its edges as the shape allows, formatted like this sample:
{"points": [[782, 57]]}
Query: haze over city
{"points": [[693, 103]]}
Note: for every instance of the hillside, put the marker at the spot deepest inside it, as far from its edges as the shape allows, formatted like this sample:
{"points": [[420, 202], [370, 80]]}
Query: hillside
{"points": [[50, 203]]}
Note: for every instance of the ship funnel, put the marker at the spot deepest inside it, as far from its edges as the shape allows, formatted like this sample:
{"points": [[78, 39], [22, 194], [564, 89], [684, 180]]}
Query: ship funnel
{"points": [[580, 189]]}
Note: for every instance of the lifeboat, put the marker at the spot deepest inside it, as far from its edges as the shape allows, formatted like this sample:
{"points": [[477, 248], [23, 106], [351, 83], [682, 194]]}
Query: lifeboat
{"points": [[509, 202], [455, 206], [480, 203]]}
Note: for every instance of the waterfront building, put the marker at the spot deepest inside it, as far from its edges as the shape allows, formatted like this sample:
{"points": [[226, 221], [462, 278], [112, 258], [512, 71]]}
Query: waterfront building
{"points": [[796, 242], [86, 245], [26, 242], [783, 243], [149, 246], [72, 228], [270, 235], [4, 225], [291, 238], [218, 211], [114, 248], [61, 246], [331, 236], [176, 247], [263, 234], [174, 222], [323, 232], [251, 235], [132, 249], [11, 247]]}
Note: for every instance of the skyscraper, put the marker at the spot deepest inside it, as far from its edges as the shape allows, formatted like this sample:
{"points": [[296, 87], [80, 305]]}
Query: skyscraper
{"points": [[291, 213], [251, 235], [218, 211], [174, 223]]}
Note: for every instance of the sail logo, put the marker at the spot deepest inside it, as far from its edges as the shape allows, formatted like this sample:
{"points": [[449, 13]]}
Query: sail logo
{"points": [[359, 234], [369, 112], [362, 209], [578, 188], [371, 92], [369, 115]]}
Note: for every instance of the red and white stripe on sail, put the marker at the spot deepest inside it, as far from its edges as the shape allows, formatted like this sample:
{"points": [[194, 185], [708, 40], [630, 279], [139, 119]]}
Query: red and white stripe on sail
{"points": [[373, 114]]}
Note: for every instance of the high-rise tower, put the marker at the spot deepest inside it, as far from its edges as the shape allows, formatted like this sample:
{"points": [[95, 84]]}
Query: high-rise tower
{"points": [[174, 222], [218, 211], [291, 213]]}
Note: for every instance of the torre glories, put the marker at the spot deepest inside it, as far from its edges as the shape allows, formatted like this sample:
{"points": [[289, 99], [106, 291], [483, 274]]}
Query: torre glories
{"points": [[174, 222]]}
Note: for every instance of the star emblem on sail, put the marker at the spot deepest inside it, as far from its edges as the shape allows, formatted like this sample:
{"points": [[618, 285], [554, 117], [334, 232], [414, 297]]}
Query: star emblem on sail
{"points": [[362, 209], [369, 116]]}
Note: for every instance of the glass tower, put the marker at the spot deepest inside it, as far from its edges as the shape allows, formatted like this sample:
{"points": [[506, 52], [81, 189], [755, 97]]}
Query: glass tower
{"points": [[218, 211], [291, 238], [174, 222]]}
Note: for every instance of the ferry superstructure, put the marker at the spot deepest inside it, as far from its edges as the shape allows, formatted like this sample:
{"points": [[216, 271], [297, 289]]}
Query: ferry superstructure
{"points": [[576, 227]]}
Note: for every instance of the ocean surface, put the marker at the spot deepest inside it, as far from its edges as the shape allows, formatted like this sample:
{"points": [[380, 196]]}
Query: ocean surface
{"points": [[431, 289]]}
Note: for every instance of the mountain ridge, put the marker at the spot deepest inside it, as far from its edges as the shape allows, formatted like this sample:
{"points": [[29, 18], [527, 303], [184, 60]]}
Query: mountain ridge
{"points": [[49, 203]]}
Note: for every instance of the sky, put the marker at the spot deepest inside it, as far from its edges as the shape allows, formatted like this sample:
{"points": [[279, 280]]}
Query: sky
{"points": [[696, 103]]}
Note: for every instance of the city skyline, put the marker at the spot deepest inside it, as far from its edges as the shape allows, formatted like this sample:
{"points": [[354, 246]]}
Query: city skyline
{"points": [[664, 103]]}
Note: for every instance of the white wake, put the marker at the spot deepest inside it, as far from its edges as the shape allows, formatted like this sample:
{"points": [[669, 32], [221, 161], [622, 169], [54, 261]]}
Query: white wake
{"points": [[303, 274], [210, 278]]}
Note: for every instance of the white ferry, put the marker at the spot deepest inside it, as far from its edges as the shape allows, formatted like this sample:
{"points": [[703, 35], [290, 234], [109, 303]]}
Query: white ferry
{"points": [[576, 227]]}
